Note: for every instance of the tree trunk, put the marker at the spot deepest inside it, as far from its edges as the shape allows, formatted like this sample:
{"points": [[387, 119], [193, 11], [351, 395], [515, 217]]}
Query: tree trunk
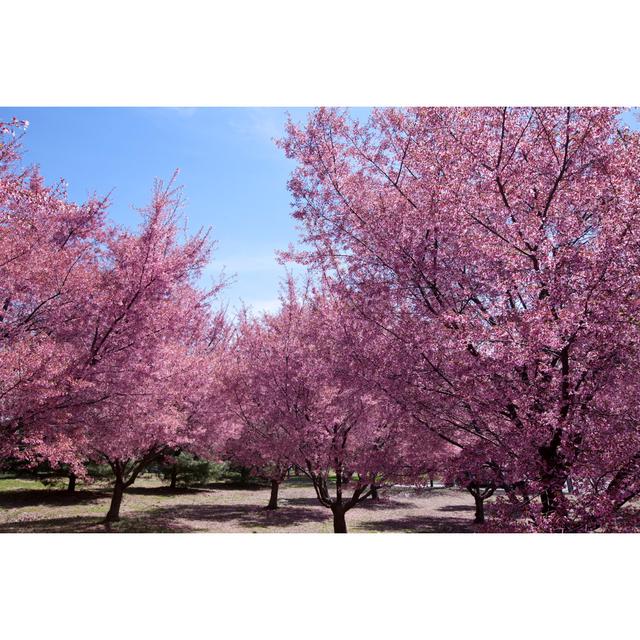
{"points": [[116, 500], [374, 492], [552, 467], [245, 474], [549, 498], [174, 477], [480, 495], [339, 521], [71, 487], [431, 482], [479, 519], [273, 499]]}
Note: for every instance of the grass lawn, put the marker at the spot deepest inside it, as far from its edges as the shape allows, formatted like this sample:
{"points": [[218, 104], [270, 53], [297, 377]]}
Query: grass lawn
{"points": [[15, 484], [28, 506]]}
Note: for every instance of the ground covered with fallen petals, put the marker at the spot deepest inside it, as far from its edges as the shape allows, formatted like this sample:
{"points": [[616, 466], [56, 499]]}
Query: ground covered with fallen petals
{"points": [[148, 506]]}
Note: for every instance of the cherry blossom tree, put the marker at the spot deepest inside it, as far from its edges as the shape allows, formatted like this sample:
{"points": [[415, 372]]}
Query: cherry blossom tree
{"points": [[47, 265], [257, 438], [497, 250], [302, 405], [104, 331], [148, 335], [259, 452]]}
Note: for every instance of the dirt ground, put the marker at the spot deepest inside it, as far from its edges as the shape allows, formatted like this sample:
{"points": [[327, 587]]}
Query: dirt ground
{"points": [[221, 508]]}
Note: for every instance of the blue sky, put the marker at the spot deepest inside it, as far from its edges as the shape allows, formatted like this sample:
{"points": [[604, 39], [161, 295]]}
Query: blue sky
{"points": [[234, 176]]}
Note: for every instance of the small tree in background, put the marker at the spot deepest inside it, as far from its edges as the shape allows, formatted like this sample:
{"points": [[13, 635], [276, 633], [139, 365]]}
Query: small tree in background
{"points": [[300, 404], [186, 470]]}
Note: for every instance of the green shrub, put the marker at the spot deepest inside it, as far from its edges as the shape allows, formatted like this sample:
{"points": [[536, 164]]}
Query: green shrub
{"points": [[100, 472], [192, 471]]}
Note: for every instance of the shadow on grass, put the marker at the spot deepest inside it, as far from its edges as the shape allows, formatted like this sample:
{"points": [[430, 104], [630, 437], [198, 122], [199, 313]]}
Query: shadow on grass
{"points": [[149, 522], [43, 497], [181, 519], [246, 516], [199, 517], [176, 519], [367, 504], [234, 486], [384, 503], [419, 524], [129, 523], [457, 507], [72, 524], [165, 490]]}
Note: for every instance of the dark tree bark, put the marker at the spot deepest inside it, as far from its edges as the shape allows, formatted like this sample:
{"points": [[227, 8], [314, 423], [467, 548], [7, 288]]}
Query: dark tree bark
{"points": [[126, 472], [273, 498], [116, 500], [338, 505], [339, 521], [480, 495], [479, 518], [174, 477], [552, 473], [549, 498], [555, 467], [71, 487], [374, 492], [431, 482]]}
